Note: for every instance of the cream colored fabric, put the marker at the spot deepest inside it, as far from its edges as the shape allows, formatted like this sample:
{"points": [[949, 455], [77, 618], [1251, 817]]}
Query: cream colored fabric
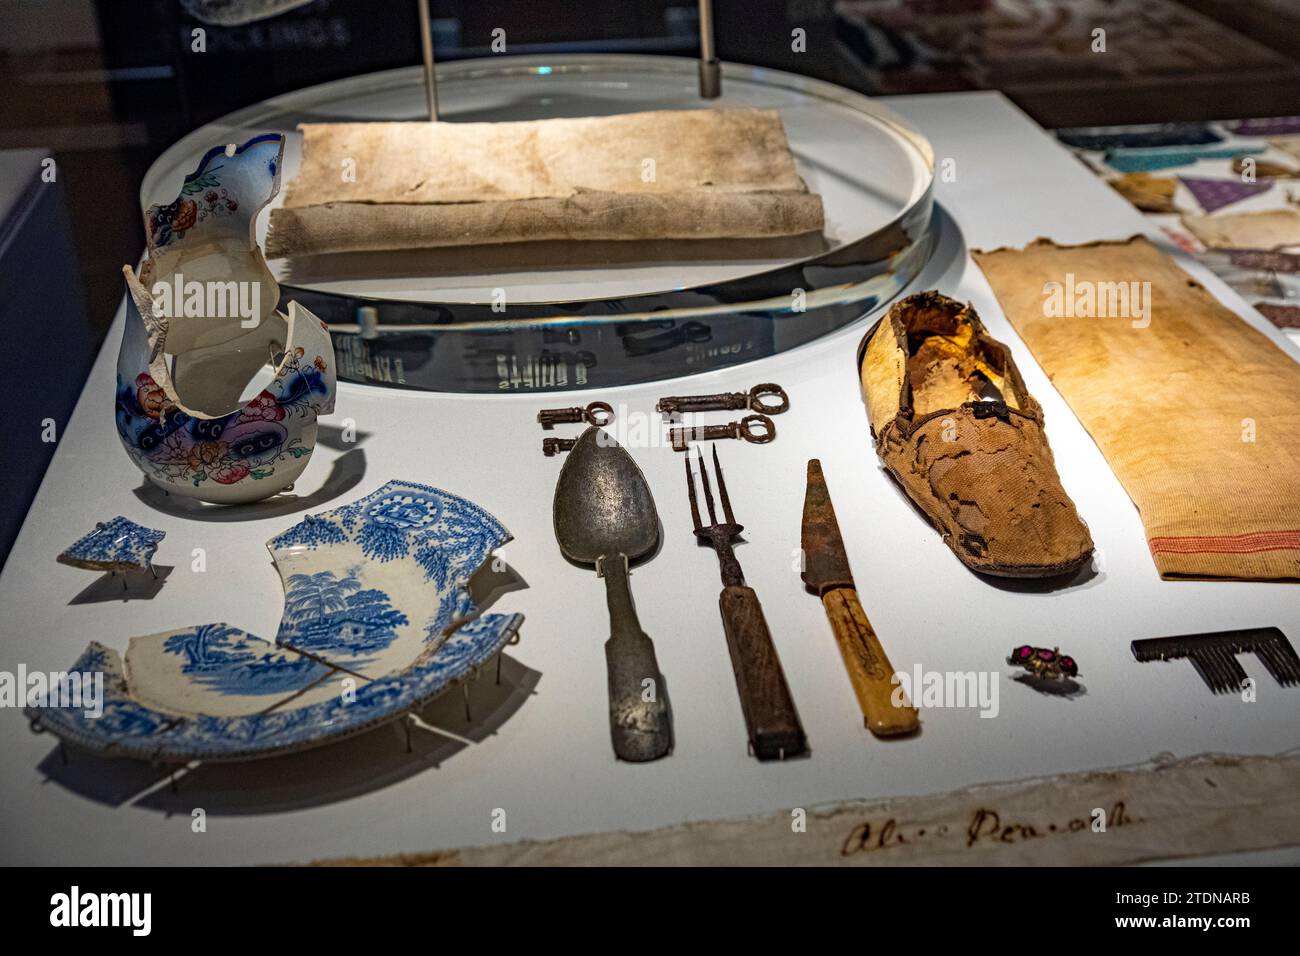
{"points": [[1271, 229], [1288, 144], [1196, 412], [682, 174], [1211, 804], [358, 227]]}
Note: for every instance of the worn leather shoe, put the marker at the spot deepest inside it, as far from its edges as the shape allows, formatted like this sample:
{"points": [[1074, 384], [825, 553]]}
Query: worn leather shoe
{"points": [[954, 423]]}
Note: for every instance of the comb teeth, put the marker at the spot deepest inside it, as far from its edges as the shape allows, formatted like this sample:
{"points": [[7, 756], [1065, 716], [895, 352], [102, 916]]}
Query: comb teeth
{"points": [[1280, 659], [1214, 655], [1218, 668]]}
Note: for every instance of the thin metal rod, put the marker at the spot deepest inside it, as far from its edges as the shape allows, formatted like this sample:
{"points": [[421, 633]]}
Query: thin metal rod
{"points": [[722, 489], [710, 72], [426, 47], [690, 490], [708, 491]]}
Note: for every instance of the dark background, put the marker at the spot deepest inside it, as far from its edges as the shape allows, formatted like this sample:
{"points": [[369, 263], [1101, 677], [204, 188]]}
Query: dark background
{"points": [[107, 84], [103, 86]]}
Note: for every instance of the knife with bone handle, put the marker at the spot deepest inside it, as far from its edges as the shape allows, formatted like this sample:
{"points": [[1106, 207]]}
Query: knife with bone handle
{"points": [[826, 573]]}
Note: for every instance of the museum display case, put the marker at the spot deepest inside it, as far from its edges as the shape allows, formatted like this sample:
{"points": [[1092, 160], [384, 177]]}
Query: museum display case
{"points": [[927, 413]]}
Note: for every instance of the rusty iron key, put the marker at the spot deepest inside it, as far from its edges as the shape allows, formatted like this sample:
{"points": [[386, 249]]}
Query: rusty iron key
{"points": [[758, 429], [597, 413], [554, 446], [729, 401]]}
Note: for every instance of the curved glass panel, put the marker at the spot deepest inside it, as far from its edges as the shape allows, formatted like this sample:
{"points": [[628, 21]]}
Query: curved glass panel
{"points": [[601, 314]]}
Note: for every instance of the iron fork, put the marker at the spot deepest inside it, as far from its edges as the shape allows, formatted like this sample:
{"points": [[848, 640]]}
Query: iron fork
{"points": [[770, 716]]}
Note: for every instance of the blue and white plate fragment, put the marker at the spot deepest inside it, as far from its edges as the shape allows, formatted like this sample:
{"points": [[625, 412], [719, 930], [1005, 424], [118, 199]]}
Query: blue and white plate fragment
{"points": [[118, 544], [377, 621]]}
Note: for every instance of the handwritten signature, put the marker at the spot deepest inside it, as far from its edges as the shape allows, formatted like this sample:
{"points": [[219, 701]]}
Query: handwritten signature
{"points": [[985, 826]]}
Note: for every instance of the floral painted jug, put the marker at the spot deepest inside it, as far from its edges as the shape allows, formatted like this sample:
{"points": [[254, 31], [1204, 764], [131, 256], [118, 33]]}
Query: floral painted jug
{"points": [[201, 324]]}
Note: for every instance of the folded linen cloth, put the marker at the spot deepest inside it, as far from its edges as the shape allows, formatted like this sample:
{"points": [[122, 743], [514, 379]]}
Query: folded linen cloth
{"points": [[679, 174], [1197, 413]]}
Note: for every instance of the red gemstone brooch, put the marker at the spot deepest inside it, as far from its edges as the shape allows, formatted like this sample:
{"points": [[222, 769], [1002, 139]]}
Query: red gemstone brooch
{"points": [[1047, 663]]}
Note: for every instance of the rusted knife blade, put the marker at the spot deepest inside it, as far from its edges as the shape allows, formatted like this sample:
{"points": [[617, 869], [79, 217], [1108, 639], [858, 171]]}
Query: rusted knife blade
{"points": [[885, 709], [825, 565]]}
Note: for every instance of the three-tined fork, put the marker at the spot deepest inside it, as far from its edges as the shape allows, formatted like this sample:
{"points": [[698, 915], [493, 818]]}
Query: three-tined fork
{"points": [[770, 715]]}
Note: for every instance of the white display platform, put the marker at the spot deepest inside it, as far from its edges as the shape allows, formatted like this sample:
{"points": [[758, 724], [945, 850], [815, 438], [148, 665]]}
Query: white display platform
{"points": [[539, 747]]}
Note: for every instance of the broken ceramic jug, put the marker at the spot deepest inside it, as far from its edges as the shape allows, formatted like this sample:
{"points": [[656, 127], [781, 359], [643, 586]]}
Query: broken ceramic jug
{"points": [[203, 329]]}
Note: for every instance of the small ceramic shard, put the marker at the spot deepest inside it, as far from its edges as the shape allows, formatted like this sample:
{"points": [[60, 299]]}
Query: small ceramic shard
{"points": [[118, 544]]}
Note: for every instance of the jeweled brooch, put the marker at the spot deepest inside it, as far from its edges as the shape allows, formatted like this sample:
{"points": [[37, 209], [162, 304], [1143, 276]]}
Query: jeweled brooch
{"points": [[1047, 663]]}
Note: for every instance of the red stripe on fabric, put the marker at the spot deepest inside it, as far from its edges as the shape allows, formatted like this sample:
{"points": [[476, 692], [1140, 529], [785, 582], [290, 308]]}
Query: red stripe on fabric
{"points": [[1228, 543]]}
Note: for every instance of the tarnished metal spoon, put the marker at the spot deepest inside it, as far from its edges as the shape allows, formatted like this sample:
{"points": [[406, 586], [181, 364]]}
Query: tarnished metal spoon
{"points": [[605, 516]]}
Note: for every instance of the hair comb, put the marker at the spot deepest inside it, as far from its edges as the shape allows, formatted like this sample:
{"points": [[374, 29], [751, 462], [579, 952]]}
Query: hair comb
{"points": [[1215, 655]]}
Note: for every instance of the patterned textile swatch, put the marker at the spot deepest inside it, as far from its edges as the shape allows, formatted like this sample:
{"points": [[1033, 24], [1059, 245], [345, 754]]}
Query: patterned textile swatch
{"points": [[1148, 160], [1287, 144], [1265, 229], [1139, 137], [1214, 194], [1149, 193], [1264, 126], [1283, 316]]}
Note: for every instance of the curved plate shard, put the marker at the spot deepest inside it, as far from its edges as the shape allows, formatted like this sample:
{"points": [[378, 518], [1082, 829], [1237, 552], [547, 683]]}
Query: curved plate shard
{"points": [[377, 621]]}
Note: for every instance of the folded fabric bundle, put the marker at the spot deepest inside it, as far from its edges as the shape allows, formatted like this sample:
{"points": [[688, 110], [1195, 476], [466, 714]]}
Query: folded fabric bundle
{"points": [[1196, 412], [684, 174]]}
